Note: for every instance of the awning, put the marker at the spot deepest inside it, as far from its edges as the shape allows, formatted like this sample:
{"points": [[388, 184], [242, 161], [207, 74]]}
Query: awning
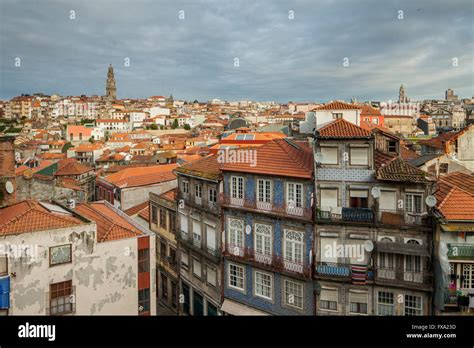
{"points": [[235, 308], [402, 248], [457, 228]]}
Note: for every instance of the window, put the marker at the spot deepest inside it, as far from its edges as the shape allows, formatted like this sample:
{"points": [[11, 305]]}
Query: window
{"points": [[211, 275], [293, 246], [443, 168], [467, 276], [61, 298], [164, 287], [185, 259], [294, 194], [236, 277], [211, 239], [197, 233], [237, 187], [385, 303], [184, 223], [375, 120], [172, 221], [329, 198], [174, 295], [264, 191], [359, 198], [163, 248], [293, 293], [336, 115], [172, 256], [359, 156], [143, 260], [3, 264], [328, 299], [413, 262], [392, 146], [60, 254], [388, 201], [197, 267], [154, 214], [198, 191], [163, 218], [236, 233], [329, 155], [185, 187], [413, 305], [263, 239], [143, 300], [212, 195], [263, 285], [358, 302], [413, 203]]}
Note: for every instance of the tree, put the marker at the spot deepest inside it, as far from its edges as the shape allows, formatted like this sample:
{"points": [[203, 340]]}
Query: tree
{"points": [[187, 126], [153, 126], [66, 147], [175, 124]]}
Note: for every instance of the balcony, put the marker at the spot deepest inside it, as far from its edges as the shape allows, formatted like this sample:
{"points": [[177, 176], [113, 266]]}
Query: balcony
{"points": [[347, 214], [402, 218], [197, 246], [270, 262], [198, 200], [460, 251], [284, 210], [333, 269], [418, 279], [344, 271]]}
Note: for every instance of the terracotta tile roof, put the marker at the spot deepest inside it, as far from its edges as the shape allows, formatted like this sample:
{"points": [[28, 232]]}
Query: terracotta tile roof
{"points": [[136, 209], [87, 147], [281, 157], [457, 205], [73, 168], [337, 105], [458, 179], [170, 195], [382, 158], [114, 157], [142, 176], [207, 167], [341, 128], [70, 184], [76, 130], [399, 170], [31, 216], [52, 156], [406, 153], [21, 169], [439, 141], [145, 213], [369, 111], [110, 224]]}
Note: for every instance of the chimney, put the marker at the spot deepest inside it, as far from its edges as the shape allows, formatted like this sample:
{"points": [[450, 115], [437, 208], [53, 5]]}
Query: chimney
{"points": [[7, 171]]}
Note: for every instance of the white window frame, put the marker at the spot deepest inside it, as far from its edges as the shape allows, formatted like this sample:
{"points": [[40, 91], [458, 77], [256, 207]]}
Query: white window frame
{"points": [[195, 262], [287, 298], [198, 190], [385, 305], [410, 202], [414, 309], [263, 241], [264, 193], [293, 197], [236, 238], [237, 187], [290, 246], [185, 187], [242, 277], [256, 285]]}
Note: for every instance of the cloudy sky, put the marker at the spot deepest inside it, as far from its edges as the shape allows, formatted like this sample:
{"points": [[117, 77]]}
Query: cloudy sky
{"points": [[285, 50]]}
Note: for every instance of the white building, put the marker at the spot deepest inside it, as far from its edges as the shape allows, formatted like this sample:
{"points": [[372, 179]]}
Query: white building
{"points": [[92, 261]]}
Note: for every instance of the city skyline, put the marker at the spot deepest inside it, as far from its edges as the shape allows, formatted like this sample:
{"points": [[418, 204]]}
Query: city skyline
{"points": [[285, 51]]}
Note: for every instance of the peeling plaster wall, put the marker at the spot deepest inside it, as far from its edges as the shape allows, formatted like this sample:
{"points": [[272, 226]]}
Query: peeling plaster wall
{"points": [[104, 274]]}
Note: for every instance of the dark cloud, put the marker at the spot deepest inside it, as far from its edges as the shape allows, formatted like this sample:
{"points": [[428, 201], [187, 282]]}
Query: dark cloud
{"points": [[279, 58]]}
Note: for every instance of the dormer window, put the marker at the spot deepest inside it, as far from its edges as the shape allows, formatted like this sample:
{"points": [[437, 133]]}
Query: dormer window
{"points": [[336, 115], [392, 147]]}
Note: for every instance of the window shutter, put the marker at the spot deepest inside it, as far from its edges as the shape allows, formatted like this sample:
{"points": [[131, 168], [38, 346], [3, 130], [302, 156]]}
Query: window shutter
{"points": [[388, 200], [211, 237], [358, 297], [329, 197], [184, 223], [359, 156], [329, 155], [359, 193], [329, 295]]}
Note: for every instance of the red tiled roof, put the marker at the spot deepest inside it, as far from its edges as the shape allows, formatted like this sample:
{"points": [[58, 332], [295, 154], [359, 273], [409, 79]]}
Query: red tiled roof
{"points": [[399, 170], [207, 167], [406, 153], [367, 110], [457, 205], [337, 105], [142, 176], [439, 141], [170, 195], [458, 179], [145, 213], [73, 168], [341, 128], [278, 157], [76, 130], [110, 224], [136, 209], [31, 216]]}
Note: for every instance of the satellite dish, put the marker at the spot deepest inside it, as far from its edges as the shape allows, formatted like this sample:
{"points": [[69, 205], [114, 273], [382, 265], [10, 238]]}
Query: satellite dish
{"points": [[9, 187], [140, 308], [368, 246], [318, 157], [375, 192], [248, 229], [430, 201]]}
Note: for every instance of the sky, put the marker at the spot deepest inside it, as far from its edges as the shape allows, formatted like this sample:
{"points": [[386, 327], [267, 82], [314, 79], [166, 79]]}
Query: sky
{"points": [[265, 50]]}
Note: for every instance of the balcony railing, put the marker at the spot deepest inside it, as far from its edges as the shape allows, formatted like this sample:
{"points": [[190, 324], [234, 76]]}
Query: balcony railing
{"points": [[401, 218], [347, 214], [288, 210], [460, 251], [197, 244], [397, 275], [265, 260], [198, 200]]}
